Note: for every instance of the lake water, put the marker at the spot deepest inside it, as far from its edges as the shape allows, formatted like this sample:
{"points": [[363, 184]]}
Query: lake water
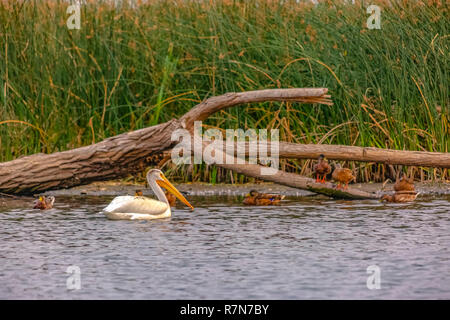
{"points": [[307, 248]]}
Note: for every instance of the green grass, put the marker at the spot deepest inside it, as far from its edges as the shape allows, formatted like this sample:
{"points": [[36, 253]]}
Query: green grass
{"points": [[127, 68]]}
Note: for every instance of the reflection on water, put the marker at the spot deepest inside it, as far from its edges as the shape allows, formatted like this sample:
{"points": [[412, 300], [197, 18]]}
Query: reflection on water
{"points": [[305, 248]]}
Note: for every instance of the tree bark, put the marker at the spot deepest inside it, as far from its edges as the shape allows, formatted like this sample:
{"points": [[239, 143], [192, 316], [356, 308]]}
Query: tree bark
{"points": [[203, 110], [112, 158], [363, 154]]}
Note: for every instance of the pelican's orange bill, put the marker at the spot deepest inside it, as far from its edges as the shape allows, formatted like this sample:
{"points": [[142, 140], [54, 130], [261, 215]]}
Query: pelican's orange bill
{"points": [[169, 187]]}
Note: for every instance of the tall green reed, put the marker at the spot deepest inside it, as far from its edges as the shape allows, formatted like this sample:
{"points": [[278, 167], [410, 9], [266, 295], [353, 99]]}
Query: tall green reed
{"points": [[128, 68]]}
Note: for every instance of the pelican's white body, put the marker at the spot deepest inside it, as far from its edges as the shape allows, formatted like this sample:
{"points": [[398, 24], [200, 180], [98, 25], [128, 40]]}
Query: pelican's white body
{"points": [[142, 208], [136, 208]]}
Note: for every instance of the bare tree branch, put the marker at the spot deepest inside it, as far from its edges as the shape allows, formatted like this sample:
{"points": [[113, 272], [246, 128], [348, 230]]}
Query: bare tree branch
{"points": [[363, 154]]}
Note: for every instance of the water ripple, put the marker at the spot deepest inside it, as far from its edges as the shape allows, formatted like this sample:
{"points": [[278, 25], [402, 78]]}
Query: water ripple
{"points": [[308, 248]]}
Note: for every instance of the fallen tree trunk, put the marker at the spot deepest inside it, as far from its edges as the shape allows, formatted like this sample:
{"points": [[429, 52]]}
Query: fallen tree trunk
{"points": [[281, 177], [112, 158], [127, 153], [203, 110], [351, 153], [300, 182]]}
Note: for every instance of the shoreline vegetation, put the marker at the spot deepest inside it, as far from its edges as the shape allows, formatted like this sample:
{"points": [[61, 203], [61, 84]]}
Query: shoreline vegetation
{"points": [[130, 68]]}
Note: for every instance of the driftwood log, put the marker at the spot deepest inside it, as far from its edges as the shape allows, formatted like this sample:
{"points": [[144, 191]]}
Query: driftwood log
{"points": [[284, 178], [129, 153], [362, 154]]}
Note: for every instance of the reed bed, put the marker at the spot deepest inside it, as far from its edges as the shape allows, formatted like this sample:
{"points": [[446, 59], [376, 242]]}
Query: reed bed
{"points": [[129, 67]]}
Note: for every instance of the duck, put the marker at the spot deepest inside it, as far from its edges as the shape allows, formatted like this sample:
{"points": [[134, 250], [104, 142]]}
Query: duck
{"points": [[342, 176], [44, 203], [404, 184], [322, 168], [143, 208], [171, 199], [401, 196], [255, 198]]}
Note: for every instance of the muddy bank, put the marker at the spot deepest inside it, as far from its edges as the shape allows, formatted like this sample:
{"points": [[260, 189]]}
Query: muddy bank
{"points": [[203, 189]]}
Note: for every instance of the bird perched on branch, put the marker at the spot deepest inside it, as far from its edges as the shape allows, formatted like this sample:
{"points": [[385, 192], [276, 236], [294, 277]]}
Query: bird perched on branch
{"points": [[322, 168], [255, 198], [44, 203], [342, 176]]}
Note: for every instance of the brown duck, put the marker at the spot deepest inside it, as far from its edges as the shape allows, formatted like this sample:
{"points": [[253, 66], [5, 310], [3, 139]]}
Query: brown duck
{"points": [[44, 203], [404, 184], [342, 176], [171, 199], [254, 198], [322, 168], [401, 196]]}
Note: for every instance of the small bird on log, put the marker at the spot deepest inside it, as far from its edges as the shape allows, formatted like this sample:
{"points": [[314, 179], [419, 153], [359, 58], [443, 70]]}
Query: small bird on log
{"points": [[322, 168], [401, 196], [138, 193], [404, 184], [44, 203], [254, 198], [342, 176]]}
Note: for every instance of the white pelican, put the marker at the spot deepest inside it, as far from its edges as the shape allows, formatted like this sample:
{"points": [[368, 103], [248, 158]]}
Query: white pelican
{"points": [[142, 208]]}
